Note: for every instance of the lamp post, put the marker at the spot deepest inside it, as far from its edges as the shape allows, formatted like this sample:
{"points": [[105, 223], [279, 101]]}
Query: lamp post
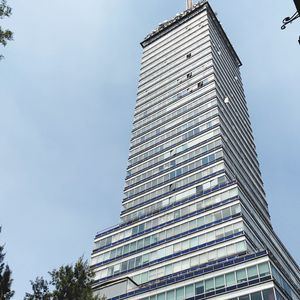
{"points": [[295, 16]]}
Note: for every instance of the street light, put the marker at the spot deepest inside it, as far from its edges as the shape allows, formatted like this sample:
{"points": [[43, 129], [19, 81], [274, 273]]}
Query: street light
{"points": [[295, 16]]}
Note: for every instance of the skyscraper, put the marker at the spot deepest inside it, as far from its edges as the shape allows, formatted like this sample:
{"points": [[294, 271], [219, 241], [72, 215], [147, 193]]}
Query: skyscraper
{"points": [[195, 222]]}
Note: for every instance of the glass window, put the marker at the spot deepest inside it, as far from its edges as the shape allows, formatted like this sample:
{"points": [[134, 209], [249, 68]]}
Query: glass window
{"points": [[256, 296], [132, 246], [230, 279], [219, 233], [170, 295], [185, 245], [199, 288], [192, 224], [221, 252], [177, 267], [185, 264], [144, 277], [220, 282], [269, 294], [145, 258], [246, 297], [141, 227], [152, 274], [241, 247], [169, 269], [152, 297], [212, 255], [226, 212], [180, 293], [194, 261], [131, 263], [138, 261], [135, 230], [218, 216], [177, 247], [147, 241], [241, 276], [161, 296], [194, 242], [252, 272], [140, 244], [189, 291], [209, 285], [126, 249], [210, 237], [124, 266], [263, 269]]}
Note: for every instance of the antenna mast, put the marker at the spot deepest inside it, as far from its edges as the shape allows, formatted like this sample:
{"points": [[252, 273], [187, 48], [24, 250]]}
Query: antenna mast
{"points": [[189, 4]]}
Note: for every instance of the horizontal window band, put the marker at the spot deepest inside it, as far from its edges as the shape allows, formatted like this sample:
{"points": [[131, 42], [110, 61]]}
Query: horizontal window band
{"points": [[211, 176], [176, 125], [175, 145], [217, 136], [174, 167], [220, 159], [165, 209], [200, 211], [191, 273], [175, 237], [172, 256]]}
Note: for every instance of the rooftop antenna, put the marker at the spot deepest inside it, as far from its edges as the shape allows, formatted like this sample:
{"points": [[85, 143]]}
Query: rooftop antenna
{"points": [[189, 4]]}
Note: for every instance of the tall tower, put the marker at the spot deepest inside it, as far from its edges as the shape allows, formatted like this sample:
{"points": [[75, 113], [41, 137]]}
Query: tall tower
{"points": [[195, 221]]}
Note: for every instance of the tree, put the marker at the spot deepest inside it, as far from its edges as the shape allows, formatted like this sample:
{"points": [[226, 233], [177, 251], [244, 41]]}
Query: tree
{"points": [[40, 288], [5, 34], [5, 277], [67, 283]]}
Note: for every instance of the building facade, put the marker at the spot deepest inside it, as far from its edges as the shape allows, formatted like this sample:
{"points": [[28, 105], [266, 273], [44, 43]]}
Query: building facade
{"points": [[195, 222]]}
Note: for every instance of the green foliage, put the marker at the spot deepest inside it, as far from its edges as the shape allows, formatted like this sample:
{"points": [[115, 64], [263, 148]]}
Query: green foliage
{"points": [[40, 288], [67, 283], [5, 278], [5, 34]]}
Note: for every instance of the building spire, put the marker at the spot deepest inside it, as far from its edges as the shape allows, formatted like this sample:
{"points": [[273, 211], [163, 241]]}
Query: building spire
{"points": [[189, 4]]}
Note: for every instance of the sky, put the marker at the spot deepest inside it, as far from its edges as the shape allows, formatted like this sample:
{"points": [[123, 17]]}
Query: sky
{"points": [[68, 86]]}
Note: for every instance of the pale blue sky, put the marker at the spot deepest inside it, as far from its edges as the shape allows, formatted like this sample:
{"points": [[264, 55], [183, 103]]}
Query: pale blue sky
{"points": [[68, 87]]}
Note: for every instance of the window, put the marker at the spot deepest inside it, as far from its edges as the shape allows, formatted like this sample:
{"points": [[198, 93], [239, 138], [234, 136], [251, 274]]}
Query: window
{"points": [[209, 285], [220, 282], [241, 247], [170, 295], [161, 296], [131, 264], [138, 261], [144, 277], [199, 288], [263, 269], [124, 266], [246, 297], [269, 294], [252, 272], [189, 291], [230, 279], [194, 261], [256, 296], [180, 294], [241, 276]]}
